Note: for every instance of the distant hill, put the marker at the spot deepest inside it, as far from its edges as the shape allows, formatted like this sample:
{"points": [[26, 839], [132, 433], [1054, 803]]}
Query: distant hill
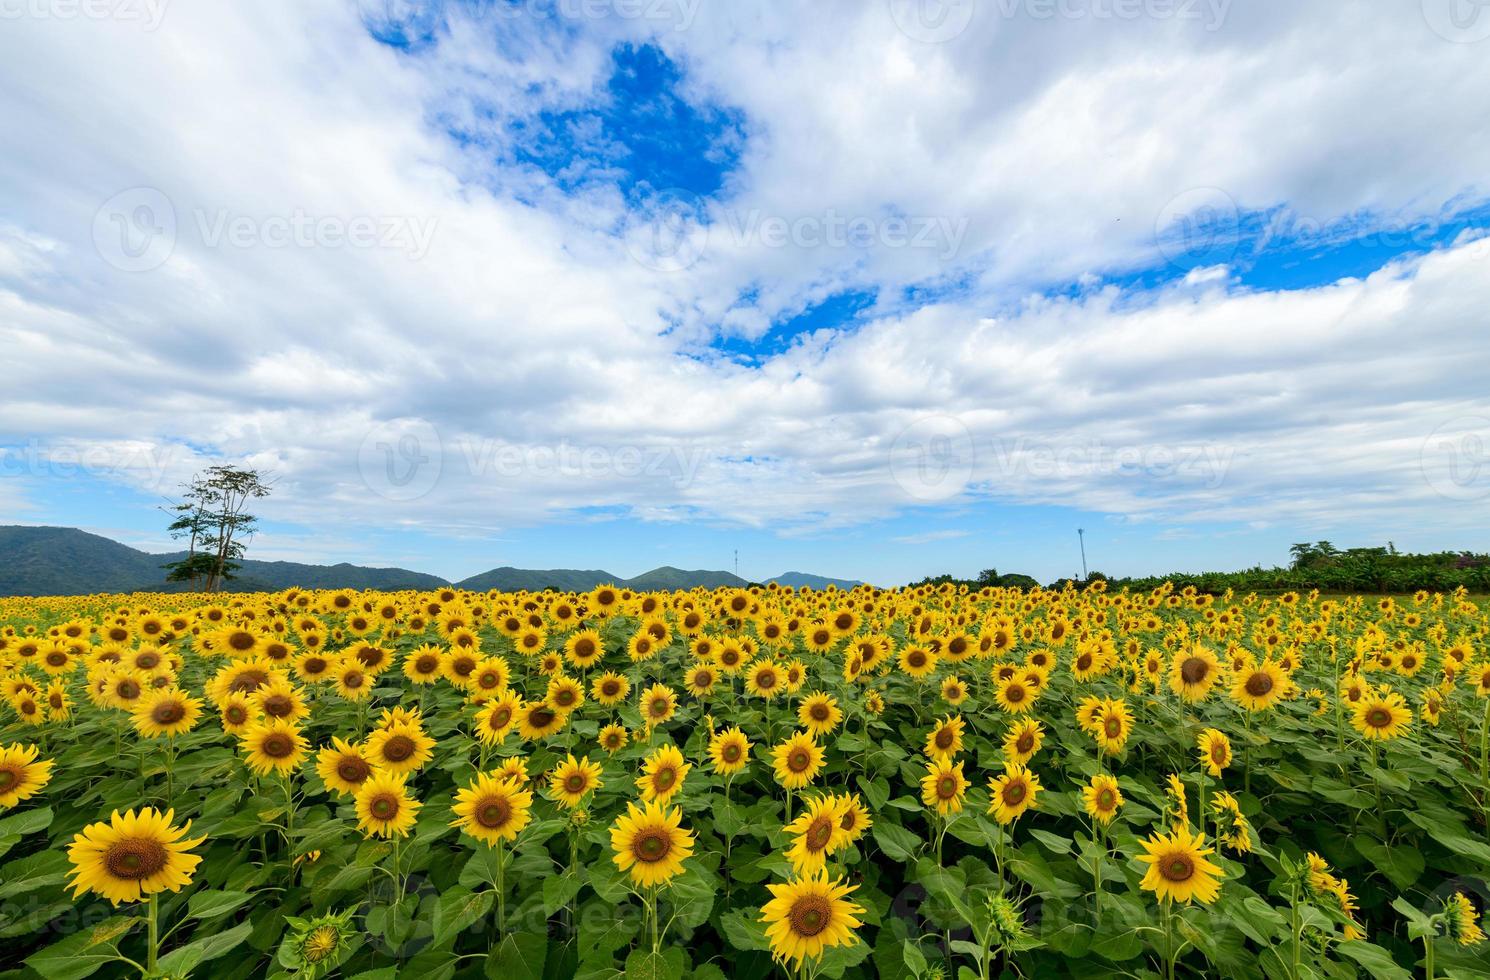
{"points": [[66, 561], [40, 561]]}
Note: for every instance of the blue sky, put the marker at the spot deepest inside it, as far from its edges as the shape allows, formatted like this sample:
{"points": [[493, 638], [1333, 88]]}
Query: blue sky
{"points": [[642, 285]]}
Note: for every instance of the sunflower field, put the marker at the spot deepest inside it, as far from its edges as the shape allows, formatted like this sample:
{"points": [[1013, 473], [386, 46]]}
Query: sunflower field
{"points": [[922, 782]]}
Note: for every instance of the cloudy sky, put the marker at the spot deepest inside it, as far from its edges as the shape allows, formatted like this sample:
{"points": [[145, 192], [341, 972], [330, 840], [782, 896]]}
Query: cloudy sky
{"points": [[870, 288]]}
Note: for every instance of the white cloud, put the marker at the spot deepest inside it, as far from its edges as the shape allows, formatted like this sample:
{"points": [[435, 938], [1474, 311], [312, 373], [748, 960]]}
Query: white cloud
{"points": [[559, 373]]}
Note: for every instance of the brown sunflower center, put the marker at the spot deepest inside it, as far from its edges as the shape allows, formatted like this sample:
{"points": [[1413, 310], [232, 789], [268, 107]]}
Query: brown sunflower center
{"points": [[810, 915], [236, 714], [916, 659], [500, 717], [1105, 799], [650, 846], [168, 712], [1194, 670], [1177, 867], [1378, 718], [944, 738], [277, 746], [494, 813], [278, 705], [426, 664], [542, 717], [664, 778], [352, 769], [659, 707], [1014, 793], [8, 778], [819, 712], [1025, 744], [731, 753], [1113, 727], [398, 748], [798, 760], [820, 833], [128, 690], [575, 782], [248, 682], [383, 807], [1013, 693], [135, 859], [1259, 684], [946, 787]]}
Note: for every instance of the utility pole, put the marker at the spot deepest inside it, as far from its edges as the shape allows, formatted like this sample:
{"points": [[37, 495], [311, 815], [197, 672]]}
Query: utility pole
{"points": [[1081, 536]]}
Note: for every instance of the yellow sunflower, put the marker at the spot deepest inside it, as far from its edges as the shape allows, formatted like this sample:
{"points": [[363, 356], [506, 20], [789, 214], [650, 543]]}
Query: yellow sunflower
{"points": [[1194, 672], [1261, 686], [1102, 798], [1015, 696], [498, 717], [168, 712], [819, 713], [651, 844], [539, 719], [400, 749], [21, 775], [574, 779], [1023, 741], [1381, 716], [806, 916], [797, 761], [729, 751], [343, 767], [662, 775], [764, 680], [584, 649], [1215, 750], [493, 809], [1178, 869], [944, 786], [658, 704], [945, 740], [133, 856], [272, 746], [610, 689], [1012, 793], [613, 738], [816, 834], [384, 806]]}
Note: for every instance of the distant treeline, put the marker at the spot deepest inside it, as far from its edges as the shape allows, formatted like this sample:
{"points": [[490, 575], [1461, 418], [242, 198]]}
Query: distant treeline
{"points": [[1314, 566]]}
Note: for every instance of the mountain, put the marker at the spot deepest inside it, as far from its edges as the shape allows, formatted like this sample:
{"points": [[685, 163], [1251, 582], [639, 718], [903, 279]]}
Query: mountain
{"points": [[799, 580], [66, 561], [40, 561], [509, 579]]}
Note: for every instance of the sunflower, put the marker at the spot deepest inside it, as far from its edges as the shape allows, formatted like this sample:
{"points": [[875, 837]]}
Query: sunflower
{"points": [[1176, 803], [497, 718], [917, 662], [313, 666], [651, 844], [1012, 793], [1461, 921], [945, 740], [1381, 716], [237, 713], [1260, 687], [21, 775], [1178, 869], [122, 688], [1102, 798], [1215, 750], [954, 692], [1194, 672], [280, 699], [493, 809], [564, 693], [167, 712], [853, 817], [658, 704], [1015, 696], [572, 780], [1023, 740], [610, 689], [700, 680], [808, 915], [797, 761], [1232, 828], [539, 719], [353, 682], [343, 767], [273, 746], [490, 677], [400, 748], [513, 767], [425, 664], [384, 806], [819, 713], [584, 649], [816, 834], [613, 738], [1479, 679], [944, 786], [662, 775], [729, 751], [132, 856], [1114, 725], [764, 680]]}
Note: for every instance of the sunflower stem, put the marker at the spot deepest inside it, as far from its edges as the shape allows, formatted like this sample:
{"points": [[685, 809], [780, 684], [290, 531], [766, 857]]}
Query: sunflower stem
{"points": [[154, 936], [1428, 955], [501, 891]]}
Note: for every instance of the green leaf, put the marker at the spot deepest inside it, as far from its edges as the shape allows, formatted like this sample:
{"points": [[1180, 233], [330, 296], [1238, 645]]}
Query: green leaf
{"points": [[35, 871], [915, 960], [743, 931], [668, 964], [458, 910], [1401, 865], [210, 904], [1055, 843], [80, 954], [182, 961], [519, 957], [559, 890], [1377, 961], [895, 841], [18, 825]]}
